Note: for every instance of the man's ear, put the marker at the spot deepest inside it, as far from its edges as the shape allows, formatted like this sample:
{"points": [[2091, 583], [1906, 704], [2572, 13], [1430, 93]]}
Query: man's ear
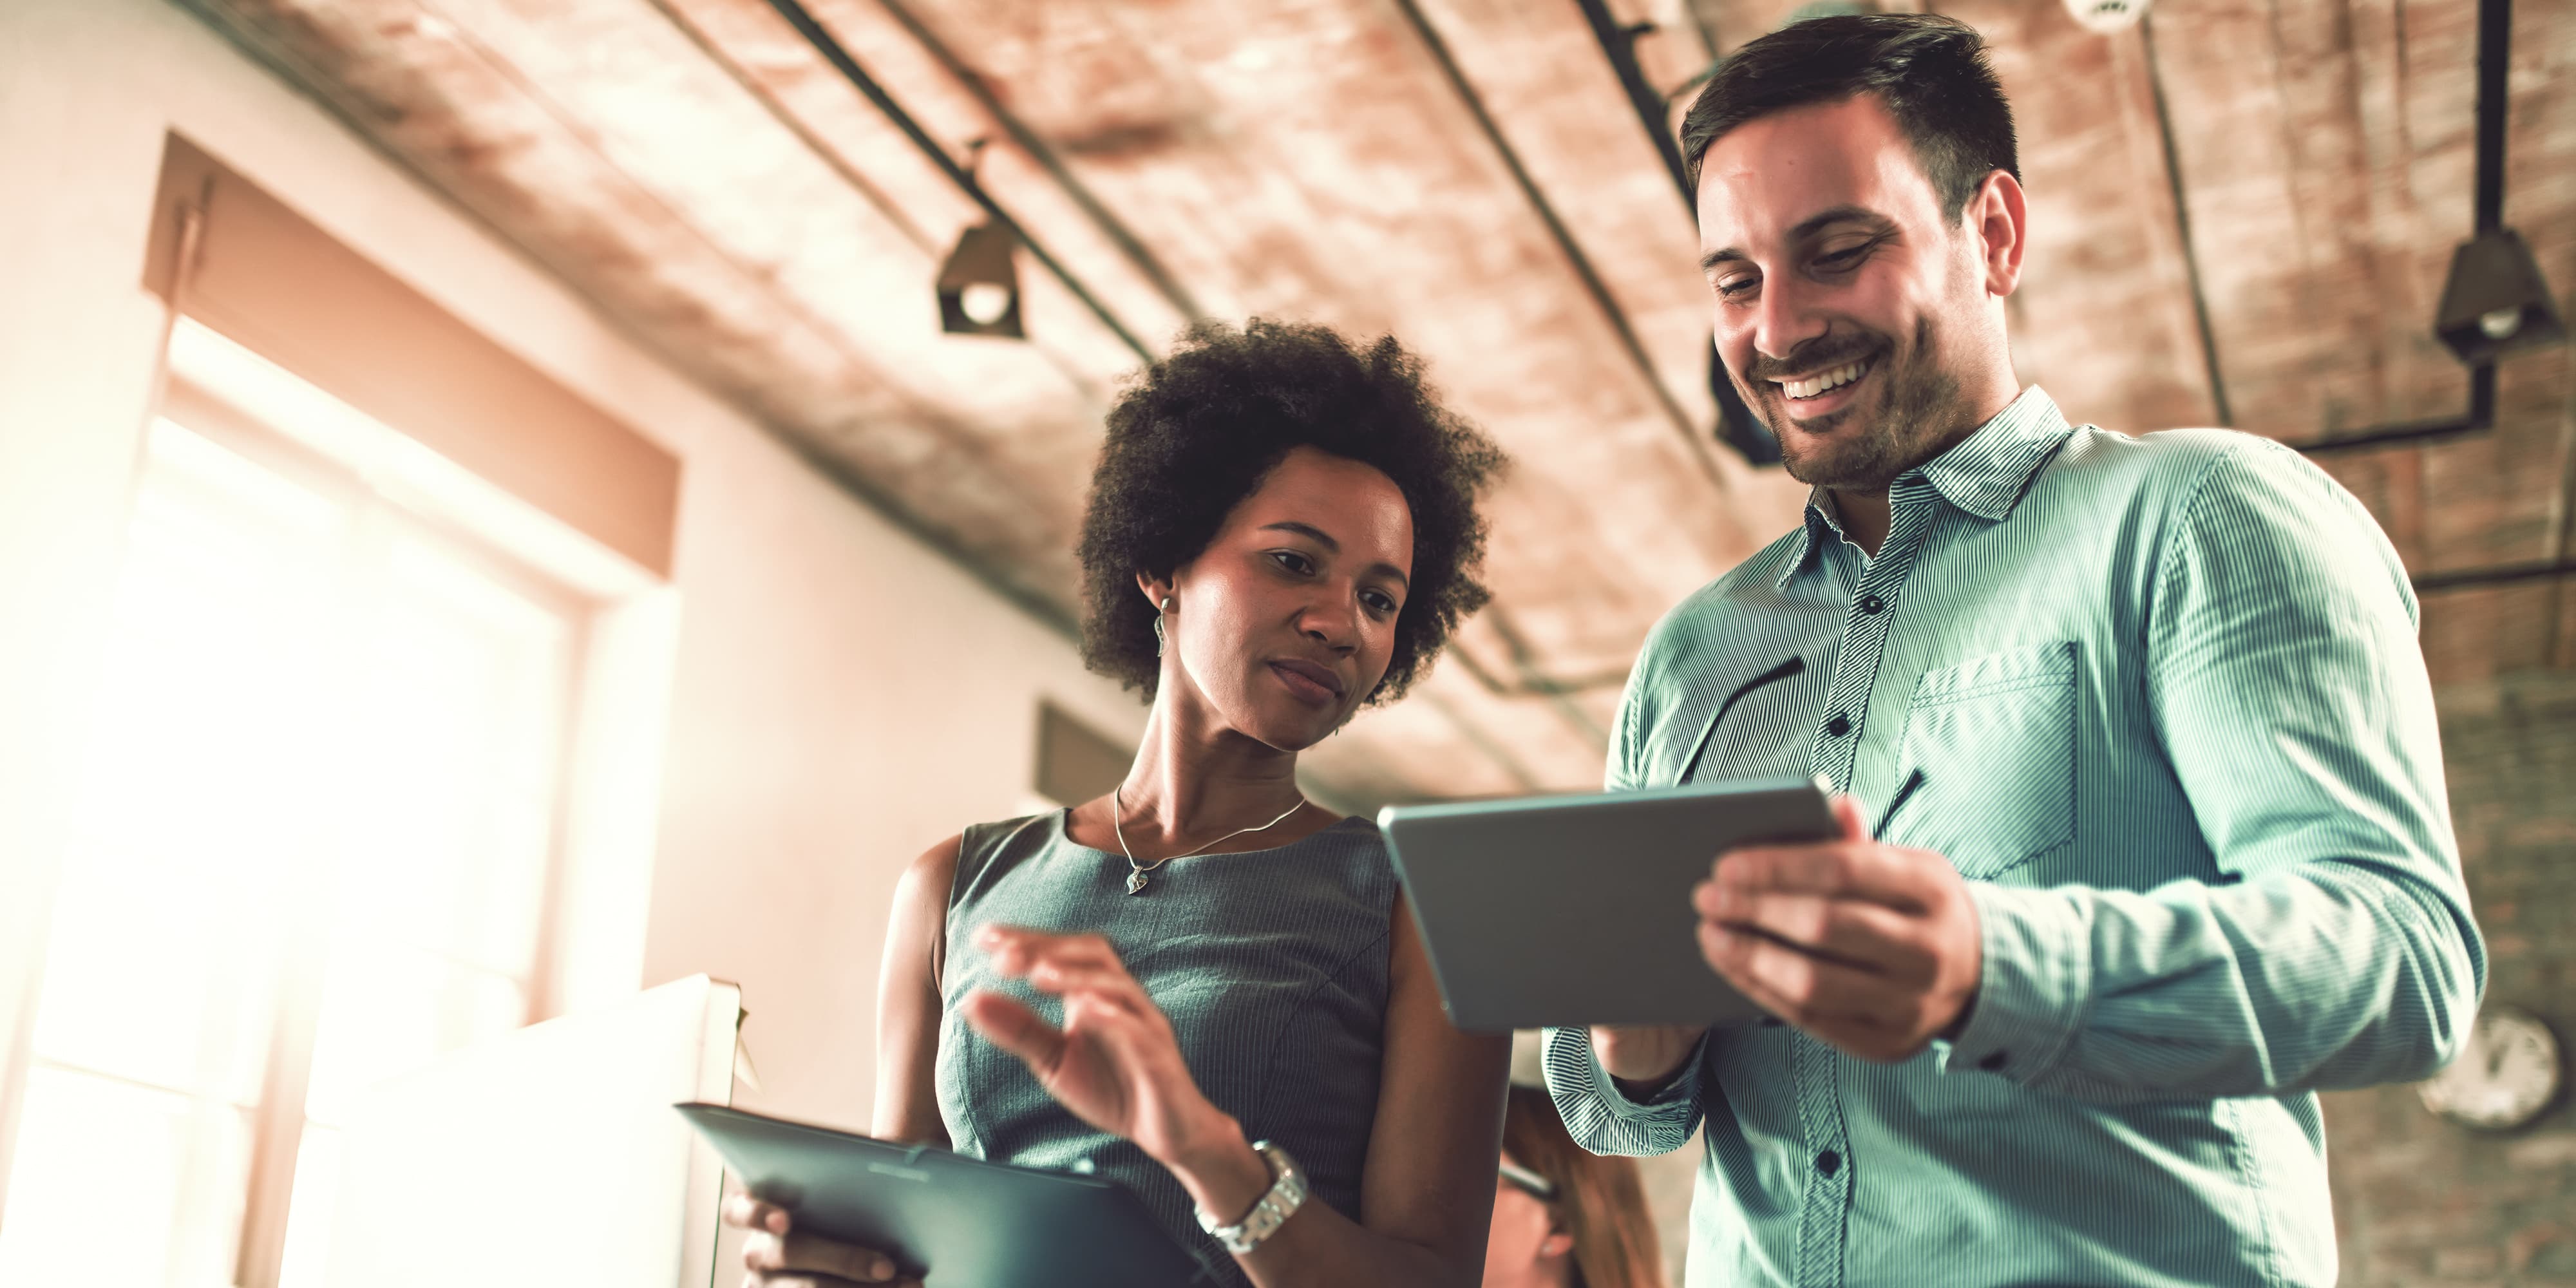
{"points": [[1999, 217]]}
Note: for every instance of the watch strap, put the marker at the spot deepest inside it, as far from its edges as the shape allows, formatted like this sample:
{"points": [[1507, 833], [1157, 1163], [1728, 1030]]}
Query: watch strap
{"points": [[1287, 1191]]}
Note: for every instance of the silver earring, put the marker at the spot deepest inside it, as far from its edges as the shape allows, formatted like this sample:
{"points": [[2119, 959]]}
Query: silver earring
{"points": [[1158, 626]]}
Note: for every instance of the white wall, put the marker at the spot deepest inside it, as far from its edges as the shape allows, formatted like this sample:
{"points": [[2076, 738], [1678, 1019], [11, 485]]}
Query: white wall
{"points": [[844, 697]]}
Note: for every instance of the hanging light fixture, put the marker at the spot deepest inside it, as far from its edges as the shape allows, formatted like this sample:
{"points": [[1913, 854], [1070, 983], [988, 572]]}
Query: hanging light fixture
{"points": [[2496, 301], [979, 286]]}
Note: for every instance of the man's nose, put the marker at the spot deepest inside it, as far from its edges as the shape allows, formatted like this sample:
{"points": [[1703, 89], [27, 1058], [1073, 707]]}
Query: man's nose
{"points": [[1783, 320]]}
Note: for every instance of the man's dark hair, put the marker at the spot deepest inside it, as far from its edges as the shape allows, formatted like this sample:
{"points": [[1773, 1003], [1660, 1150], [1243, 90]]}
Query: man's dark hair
{"points": [[1930, 71], [1196, 435]]}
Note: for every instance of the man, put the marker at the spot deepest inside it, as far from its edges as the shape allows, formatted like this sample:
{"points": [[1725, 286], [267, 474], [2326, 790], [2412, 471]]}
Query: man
{"points": [[2165, 849]]}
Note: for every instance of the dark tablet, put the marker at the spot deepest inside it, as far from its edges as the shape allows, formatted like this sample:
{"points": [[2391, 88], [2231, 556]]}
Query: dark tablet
{"points": [[962, 1222], [1575, 910]]}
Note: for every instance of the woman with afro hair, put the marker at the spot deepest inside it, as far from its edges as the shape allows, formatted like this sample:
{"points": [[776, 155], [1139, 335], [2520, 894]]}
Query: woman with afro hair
{"points": [[1203, 985]]}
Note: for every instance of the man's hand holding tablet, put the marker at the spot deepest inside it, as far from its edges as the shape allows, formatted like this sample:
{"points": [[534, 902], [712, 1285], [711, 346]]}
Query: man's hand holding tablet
{"points": [[1871, 947]]}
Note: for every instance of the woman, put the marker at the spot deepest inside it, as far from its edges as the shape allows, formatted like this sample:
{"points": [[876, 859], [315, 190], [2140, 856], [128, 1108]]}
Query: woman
{"points": [[1282, 530], [1564, 1218]]}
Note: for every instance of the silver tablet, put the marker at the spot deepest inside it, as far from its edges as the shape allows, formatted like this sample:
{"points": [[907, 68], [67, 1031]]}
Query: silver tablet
{"points": [[959, 1221], [1575, 910]]}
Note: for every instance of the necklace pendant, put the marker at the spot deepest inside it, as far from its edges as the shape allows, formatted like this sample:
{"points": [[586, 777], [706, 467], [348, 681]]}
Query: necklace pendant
{"points": [[1135, 883]]}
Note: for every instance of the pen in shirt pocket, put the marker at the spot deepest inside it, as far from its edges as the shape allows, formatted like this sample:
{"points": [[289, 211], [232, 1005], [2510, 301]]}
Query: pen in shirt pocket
{"points": [[1913, 783]]}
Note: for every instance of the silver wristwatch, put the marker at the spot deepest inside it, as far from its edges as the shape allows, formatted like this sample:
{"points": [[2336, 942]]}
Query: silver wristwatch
{"points": [[1287, 1191]]}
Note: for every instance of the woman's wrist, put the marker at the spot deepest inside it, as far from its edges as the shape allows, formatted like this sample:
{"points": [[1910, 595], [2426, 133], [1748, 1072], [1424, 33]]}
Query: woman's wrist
{"points": [[1216, 1163]]}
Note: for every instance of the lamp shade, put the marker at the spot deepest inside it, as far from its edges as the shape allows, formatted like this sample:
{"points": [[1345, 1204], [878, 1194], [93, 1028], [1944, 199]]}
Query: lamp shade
{"points": [[979, 286], [2496, 301]]}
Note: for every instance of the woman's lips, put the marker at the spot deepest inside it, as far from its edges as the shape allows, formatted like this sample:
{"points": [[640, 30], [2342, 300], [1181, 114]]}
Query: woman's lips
{"points": [[1309, 682]]}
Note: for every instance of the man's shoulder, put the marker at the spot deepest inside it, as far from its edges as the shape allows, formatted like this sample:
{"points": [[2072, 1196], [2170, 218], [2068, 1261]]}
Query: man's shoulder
{"points": [[2174, 478], [2175, 464], [1757, 578]]}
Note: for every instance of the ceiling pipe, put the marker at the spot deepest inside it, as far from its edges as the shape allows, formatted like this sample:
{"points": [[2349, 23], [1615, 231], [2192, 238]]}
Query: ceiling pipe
{"points": [[1619, 45], [803, 21], [1531, 681], [1027, 141], [2495, 46], [2497, 575], [1572, 249], [2182, 228], [1736, 423], [2495, 40]]}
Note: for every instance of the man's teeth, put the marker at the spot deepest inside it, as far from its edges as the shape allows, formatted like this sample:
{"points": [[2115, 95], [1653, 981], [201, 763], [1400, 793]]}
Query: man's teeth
{"points": [[1842, 375]]}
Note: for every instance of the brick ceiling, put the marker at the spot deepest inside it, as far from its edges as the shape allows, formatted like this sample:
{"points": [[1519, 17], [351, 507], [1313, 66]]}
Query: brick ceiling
{"points": [[1470, 175]]}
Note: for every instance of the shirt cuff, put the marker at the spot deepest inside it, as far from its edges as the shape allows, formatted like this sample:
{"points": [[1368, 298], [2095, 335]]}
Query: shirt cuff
{"points": [[1571, 1067], [2031, 993]]}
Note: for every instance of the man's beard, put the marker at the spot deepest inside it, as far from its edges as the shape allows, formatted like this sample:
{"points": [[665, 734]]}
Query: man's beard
{"points": [[1916, 409]]}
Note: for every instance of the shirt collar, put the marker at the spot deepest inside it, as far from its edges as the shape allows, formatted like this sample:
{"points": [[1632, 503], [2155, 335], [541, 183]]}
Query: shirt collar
{"points": [[1983, 474]]}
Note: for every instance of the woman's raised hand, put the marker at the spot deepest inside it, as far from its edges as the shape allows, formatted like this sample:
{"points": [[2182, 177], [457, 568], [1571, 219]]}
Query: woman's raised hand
{"points": [[1114, 1063], [777, 1257]]}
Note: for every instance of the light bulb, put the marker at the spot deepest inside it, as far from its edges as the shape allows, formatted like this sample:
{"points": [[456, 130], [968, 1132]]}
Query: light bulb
{"points": [[984, 303], [2106, 16], [2500, 324]]}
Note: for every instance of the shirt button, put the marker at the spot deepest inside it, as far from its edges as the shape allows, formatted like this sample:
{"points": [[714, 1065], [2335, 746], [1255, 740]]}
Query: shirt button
{"points": [[1992, 1062], [1871, 603], [1829, 1162], [1839, 725]]}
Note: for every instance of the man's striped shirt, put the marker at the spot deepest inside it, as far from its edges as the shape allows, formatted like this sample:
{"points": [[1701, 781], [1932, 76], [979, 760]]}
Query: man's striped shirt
{"points": [[2175, 728]]}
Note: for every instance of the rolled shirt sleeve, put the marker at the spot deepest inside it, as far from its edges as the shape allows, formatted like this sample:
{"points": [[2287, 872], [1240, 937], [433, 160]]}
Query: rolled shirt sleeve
{"points": [[1601, 1117], [2337, 949]]}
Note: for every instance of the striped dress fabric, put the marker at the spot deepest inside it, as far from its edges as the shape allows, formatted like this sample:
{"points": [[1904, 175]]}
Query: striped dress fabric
{"points": [[1271, 965], [2175, 729]]}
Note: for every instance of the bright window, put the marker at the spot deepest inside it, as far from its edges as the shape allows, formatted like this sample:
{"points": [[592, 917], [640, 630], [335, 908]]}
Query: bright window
{"points": [[315, 851]]}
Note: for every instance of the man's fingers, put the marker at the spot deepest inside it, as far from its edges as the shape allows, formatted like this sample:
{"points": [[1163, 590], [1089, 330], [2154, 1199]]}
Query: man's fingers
{"points": [[1847, 816], [775, 1256], [1852, 870], [858, 1265], [744, 1212], [1806, 988], [1867, 936], [1859, 1037], [1778, 1006]]}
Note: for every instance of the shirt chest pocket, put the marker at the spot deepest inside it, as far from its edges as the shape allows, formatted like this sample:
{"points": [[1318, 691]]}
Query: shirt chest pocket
{"points": [[1995, 739]]}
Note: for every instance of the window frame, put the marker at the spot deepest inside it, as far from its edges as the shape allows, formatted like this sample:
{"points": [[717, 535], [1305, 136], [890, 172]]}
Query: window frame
{"points": [[221, 252], [278, 1117], [281, 1115]]}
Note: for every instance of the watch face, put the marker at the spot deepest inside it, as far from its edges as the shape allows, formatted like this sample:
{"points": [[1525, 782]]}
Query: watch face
{"points": [[2507, 1074]]}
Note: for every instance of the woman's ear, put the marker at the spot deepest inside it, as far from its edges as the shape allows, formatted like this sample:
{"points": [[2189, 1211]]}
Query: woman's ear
{"points": [[1558, 1244], [1157, 589]]}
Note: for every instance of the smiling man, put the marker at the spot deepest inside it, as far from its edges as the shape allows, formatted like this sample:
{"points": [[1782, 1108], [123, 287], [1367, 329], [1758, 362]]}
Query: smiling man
{"points": [[2161, 848]]}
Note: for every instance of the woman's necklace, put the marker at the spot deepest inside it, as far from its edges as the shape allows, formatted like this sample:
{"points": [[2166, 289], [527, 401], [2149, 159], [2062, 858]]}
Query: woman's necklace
{"points": [[1136, 871]]}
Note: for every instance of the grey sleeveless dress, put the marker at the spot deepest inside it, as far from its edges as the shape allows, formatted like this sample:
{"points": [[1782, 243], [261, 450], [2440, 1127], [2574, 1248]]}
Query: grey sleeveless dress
{"points": [[1272, 965]]}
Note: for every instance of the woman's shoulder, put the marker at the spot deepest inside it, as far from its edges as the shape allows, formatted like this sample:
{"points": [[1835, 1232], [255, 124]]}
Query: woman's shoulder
{"points": [[1357, 830], [1355, 852], [984, 853], [982, 838]]}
